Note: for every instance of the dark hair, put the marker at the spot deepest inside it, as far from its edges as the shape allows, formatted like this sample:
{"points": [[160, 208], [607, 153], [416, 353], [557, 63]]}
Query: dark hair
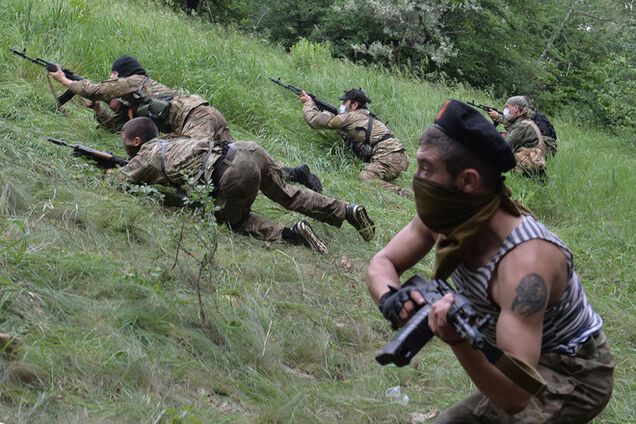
{"points": [[141, 127], [457, 157], [356, 95]]}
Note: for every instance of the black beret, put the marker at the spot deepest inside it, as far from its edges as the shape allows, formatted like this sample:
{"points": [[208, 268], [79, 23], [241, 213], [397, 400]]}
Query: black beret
{"points": [[468, 126], [356, 95], [126, 66]]}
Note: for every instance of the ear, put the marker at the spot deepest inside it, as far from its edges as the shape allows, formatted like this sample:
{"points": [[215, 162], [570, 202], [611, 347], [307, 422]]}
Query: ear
{"points": [[469, 181], [137, 141]]}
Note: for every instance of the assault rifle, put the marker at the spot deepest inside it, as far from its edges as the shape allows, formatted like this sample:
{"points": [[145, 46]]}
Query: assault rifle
{"points": [[485, 107], [104, 159], [416, 333], [52, 67], [321, 104], [462, 315]]}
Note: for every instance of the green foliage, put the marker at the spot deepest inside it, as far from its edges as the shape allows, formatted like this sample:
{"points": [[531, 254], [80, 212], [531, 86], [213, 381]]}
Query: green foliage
{"points": [[306, 54], [574, 57], [106, 290]]}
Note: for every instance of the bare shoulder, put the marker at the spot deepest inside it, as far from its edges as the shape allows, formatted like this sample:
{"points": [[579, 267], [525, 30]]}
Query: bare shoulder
{"points": [[531, 275]]}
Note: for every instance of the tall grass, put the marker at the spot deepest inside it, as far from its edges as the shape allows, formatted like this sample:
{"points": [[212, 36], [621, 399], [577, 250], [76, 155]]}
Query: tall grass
{"points": [[110, 328]]}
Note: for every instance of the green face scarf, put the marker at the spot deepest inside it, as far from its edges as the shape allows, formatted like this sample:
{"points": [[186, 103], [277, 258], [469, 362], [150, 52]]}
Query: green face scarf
{"points": [[457, 217]]}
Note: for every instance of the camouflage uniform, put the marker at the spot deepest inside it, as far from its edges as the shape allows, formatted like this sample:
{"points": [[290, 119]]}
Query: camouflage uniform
{"points": [[528, 146], [578, 389], [550, 142], [251, 169], [108, 119], [189, 115], [382, 151]]}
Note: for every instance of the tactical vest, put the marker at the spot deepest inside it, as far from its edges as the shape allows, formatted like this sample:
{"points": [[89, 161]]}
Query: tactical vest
{"points": [[365, 150], [156, 108]]}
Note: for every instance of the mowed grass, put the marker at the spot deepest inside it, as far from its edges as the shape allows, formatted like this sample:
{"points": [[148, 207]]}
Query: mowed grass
{"points": [[96, 283]]}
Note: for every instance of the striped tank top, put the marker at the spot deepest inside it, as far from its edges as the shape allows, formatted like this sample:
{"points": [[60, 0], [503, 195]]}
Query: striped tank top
{"points": [[566, 324]]}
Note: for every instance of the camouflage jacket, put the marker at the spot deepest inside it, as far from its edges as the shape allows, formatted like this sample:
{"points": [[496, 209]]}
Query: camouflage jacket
{"points": [[550, 142], [521, 133], [183, 159], [352, 127], [129, 89], [108, 119]]}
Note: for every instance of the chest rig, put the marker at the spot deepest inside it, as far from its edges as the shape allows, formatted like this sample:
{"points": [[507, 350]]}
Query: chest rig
{"points": [[155, 107]]}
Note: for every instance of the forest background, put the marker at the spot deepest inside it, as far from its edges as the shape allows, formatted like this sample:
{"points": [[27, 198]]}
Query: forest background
{"points": [[575, 57]]}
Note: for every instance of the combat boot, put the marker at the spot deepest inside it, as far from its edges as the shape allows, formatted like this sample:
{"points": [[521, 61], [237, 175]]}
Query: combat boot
{"points": [[356, 215], [303, 233], [302, 175]]}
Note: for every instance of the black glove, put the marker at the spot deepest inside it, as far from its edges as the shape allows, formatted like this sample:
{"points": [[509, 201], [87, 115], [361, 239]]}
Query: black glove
{"points": [[392, 302]]}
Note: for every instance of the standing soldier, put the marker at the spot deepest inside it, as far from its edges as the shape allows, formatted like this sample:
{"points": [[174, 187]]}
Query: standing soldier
{"points": [[130, 92], [237, 170], [368, 137]]}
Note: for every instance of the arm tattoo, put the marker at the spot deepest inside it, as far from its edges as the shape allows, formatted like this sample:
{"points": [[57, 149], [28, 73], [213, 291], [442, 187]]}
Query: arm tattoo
{"points": [[532, 294]]}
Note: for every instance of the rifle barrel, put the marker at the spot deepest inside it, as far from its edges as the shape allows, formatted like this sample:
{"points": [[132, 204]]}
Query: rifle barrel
{"points": [[58, 142]]}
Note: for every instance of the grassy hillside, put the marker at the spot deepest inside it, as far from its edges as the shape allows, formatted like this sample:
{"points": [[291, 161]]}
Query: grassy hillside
{"points": [[97, 284]]}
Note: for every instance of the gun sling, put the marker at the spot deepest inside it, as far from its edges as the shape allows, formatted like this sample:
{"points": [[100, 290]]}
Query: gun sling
{"points": [[367, 133], [221, 165], [218, 168], [522, 374]]}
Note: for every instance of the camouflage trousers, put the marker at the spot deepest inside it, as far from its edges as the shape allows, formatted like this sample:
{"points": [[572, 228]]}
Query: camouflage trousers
{"points": [[386, 167], [579, 388], [251, 170], [206, 121], [530, 161]]}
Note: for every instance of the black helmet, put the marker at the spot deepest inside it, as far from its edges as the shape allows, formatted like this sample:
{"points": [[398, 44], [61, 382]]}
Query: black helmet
{"points": [[356, 95]]}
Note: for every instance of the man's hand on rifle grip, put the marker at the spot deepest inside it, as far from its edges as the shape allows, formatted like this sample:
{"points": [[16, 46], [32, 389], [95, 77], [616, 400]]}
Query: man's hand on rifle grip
{"points": [[60, 77], [304, 97], [438, 320], [398, 305]]}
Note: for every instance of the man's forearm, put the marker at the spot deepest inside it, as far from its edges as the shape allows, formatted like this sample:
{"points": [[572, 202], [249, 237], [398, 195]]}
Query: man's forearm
{"points": [[314, 117], [490, 381], [380, 274], [108, 119]]}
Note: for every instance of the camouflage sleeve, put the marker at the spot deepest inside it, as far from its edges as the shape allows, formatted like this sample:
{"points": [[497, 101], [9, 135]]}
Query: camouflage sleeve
{"points": [[321, 120], [138, 171], [105, 90], [521, 135], [109, 120]]}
